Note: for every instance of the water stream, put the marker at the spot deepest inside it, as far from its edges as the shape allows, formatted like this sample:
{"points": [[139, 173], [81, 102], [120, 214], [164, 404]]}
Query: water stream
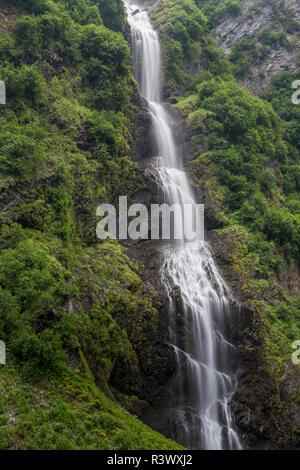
{"points": [[204, 383]]}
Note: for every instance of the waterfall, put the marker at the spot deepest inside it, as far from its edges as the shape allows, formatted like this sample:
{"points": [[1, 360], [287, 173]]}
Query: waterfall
{"points": [[204, 383]]}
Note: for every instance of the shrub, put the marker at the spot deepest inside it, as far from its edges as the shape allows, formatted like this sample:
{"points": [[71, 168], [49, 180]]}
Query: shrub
{"points": [[21, 155], [24, 84]]}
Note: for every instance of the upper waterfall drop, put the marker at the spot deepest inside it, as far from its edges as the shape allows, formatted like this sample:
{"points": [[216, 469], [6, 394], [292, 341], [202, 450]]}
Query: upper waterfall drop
{"points": [[200, 418]]}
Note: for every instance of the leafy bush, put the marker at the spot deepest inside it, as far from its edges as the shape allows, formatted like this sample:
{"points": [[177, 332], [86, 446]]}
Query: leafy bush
{"points": [[82, 11], [244, 139], [21, 153], [64, 142], [113, 13], [105, 55]]}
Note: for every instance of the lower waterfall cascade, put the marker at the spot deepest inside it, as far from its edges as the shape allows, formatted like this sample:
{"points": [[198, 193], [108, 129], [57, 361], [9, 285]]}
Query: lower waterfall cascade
{"points": [[204, 382]]}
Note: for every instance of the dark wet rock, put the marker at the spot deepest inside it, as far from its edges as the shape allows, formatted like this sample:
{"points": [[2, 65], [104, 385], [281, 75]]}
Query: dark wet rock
{"points": [[143, 148]]}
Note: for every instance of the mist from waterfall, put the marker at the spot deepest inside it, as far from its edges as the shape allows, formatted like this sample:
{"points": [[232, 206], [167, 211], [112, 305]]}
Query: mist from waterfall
{"points": [[201, 418]]}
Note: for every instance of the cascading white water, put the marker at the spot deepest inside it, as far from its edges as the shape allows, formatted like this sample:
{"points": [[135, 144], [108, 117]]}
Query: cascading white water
{"points": [[204, 385]]}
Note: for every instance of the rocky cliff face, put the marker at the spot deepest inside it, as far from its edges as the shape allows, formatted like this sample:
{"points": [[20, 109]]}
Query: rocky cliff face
{"points": [[7, 17], [253, 18]]}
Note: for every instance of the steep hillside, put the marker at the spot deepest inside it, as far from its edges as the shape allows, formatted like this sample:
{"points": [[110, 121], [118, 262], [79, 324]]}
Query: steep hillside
{"points": [[245, 168], [68, 412], [73, 310]]}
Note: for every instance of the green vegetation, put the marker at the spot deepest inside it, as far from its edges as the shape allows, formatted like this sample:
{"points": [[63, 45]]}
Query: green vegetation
{"points": [[74, 314], [68, 414], [113, 14], [246, 158], [244, 136], [217, 9], [254, 49], [185, 26], [279, 94], [244, 54]]}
